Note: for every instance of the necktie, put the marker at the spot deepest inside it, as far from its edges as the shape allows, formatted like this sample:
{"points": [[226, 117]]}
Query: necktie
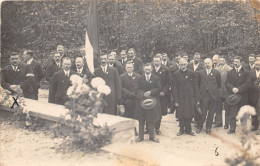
{"points": [[147, 78], [15, 68], [58, 64], [237, 70], [207, 72], [67, 74], [104, 69]]}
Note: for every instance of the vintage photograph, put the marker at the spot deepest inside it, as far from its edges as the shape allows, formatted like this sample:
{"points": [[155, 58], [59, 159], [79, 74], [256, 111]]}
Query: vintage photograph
{"points": [[130, 82]]}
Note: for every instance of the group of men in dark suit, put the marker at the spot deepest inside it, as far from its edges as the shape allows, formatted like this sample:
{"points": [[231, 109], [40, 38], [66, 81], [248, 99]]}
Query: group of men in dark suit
{"points": [[196, 90]]}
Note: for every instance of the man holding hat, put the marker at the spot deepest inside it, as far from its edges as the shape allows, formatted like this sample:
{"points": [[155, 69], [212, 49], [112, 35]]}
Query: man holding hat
{"points": [[237, 84], [185, 96], [148, 107]]}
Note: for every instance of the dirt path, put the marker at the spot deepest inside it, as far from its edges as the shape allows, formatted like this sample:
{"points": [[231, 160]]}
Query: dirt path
{"points": [[20, 147]]}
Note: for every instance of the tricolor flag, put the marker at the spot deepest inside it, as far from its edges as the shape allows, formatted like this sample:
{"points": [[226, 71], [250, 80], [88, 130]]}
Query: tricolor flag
{"points": [[91, 41]]}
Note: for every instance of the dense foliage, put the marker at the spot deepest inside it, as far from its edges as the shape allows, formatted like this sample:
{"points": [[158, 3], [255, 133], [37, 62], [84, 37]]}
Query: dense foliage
{"points": [[226, 27]]}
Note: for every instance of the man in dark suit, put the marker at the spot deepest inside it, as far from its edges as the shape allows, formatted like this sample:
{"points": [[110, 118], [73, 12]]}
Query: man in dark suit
{"points": [[196, 65], [215, 60], [162, 72], [13, 77], [223, 68], [238, 80], [129, 92], [138, 64], [123, 58], [254, 94], [148, 86], [165, 61], [36, 68], [251, 65], [112, 79], [209, 83], [53, 67], [82, 72], [112, 62], [61, 82], [185, 96]]}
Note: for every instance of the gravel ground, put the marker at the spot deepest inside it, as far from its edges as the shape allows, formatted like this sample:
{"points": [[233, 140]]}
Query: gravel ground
{"points": [[20, 146]]}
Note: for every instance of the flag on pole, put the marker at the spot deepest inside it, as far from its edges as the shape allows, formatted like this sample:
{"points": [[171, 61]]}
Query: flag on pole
{"points": [[91, 41]]}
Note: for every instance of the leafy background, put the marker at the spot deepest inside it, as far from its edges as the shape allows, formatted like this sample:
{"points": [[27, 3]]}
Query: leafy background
{"points": [[228, 27]]}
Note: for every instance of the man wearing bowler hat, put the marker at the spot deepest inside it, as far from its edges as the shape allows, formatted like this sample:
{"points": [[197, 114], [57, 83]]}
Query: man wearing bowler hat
{"points": [[185, 96], [148, 107], [237, 83]]}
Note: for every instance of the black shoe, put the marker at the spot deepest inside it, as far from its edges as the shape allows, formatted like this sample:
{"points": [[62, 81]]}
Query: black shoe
{"points": [[254, 128], [198, 130], [146, 132], [154, 140], [136, 132], [230, 132], [226, 127], [208, 131], [190, 133], [139, 140], [158, 132], [180, 133], [218, 125]]}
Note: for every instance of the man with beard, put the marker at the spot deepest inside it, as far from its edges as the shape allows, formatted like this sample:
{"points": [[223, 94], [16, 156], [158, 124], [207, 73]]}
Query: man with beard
{"points": [[36, 68], [254, 94], [112, 62], [138, 64], [14, 76], [237, 82], [209, 83], [223, 68], [50, 70], [162, 72], [148, 86], [251, 64], [185, 96], [61, 82], [112, 79], [82, 72]]}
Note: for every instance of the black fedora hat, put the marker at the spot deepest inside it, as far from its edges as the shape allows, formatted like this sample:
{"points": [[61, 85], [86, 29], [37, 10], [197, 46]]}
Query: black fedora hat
{"points": [[233, 99], [148, 103]]}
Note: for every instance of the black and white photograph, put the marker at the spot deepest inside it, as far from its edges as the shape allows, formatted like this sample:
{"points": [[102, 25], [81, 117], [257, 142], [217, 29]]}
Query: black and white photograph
{"points": [[130, 83]]}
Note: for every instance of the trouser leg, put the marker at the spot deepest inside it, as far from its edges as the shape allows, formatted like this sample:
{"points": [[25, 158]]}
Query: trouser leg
{"points": [[182, 125], [187, 122], [227, 114], [158, 124], [233, 113], [141, 129], [150, 126], [204, 110], [211, 112], [219, 108]]}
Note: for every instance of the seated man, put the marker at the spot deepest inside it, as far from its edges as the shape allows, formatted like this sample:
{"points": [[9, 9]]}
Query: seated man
{"points": [[14, 75]]}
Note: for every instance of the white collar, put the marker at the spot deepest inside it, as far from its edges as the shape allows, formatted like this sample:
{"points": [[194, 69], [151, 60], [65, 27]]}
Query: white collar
{"points": [[238, 68], [257, 73], [66, 72], [29, 61], [130, 74], [81, 69], [209, 70], [157, 68], [149, 75], [104, 67], [14, 67]]}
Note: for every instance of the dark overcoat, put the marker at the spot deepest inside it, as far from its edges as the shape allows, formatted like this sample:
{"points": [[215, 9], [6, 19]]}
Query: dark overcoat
{"points": [[11, 77], [143, 86], [112, 80], [240, 80], [164, 77], [60, 84], [37, 71], [186, 93], [129, 93]]}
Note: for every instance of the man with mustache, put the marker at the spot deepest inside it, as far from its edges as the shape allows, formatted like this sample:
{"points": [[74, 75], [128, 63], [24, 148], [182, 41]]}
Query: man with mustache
{"points": [[138, 63], [82, 72], [112, 62], [238, 81], [209, 83], [112, 79]]}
